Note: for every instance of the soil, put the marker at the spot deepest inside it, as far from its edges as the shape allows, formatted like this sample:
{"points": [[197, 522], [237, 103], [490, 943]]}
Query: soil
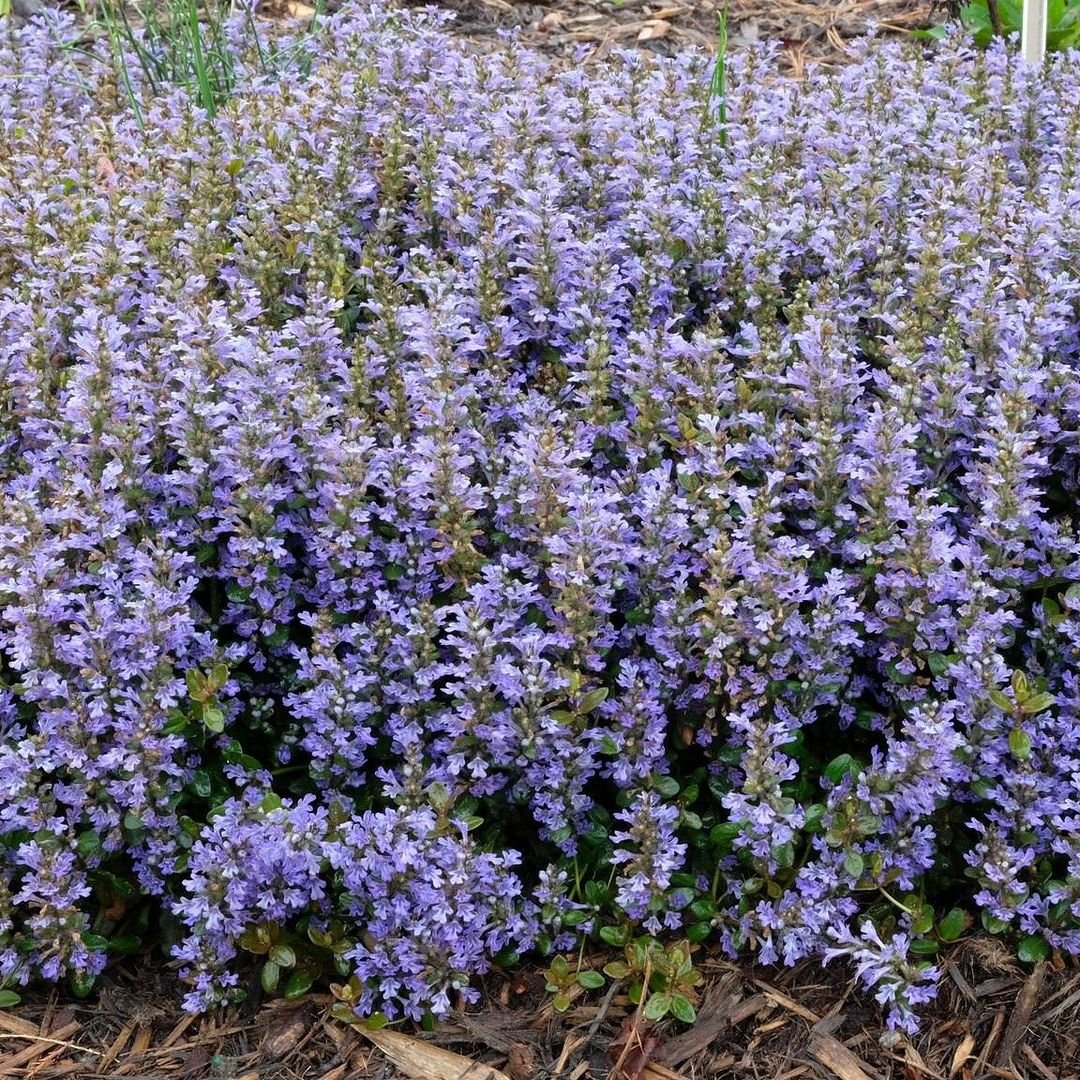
{"points": [[808, 31], [993, 1018]]}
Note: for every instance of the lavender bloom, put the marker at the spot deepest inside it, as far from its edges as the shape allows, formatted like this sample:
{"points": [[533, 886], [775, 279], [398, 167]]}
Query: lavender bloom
{"points": [[898, 984], [434, 908]]}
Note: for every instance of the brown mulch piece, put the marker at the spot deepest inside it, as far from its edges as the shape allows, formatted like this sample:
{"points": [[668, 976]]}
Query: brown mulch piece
{"points": [[992, 1019], [808, 31]]}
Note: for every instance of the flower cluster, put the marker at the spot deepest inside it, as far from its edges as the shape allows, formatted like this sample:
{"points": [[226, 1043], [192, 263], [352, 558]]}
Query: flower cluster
{"points": [[432, 458]]}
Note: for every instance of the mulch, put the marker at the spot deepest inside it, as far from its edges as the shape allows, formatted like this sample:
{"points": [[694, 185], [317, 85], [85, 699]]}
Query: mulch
{"points": [[993, 1018], [809, 32]]}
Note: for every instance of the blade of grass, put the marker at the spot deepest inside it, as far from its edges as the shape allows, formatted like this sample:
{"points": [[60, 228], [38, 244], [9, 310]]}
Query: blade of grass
{"points": [[718, 84], [249, 15], [206, 93], [120, 63]]}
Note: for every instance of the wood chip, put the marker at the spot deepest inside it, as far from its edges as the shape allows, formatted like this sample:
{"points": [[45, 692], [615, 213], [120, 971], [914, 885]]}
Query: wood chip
{"points": [[790, 1004], [179, 1030], [285, 1034], [991, 1041], [10, 1066], [655, 1071], [994, 986], [15, 1026], [654, 29], [715, 1016], [1041, 1067], [116, 1046], [964, 1050], [915, 1066], [421, 1060], [521, 1061], [1020, 1019], [837, 1058]]}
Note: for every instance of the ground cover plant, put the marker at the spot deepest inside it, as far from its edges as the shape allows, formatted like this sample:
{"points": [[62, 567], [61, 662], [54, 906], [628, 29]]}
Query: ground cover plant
{"points": [[452, 508]]}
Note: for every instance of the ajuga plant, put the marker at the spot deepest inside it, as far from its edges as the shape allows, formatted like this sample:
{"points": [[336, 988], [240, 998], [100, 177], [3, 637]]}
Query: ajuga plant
{"points": [[451, 508]]}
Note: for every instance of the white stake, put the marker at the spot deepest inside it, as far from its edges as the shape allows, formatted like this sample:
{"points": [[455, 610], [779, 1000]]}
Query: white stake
{"points": [[1033, 31]]}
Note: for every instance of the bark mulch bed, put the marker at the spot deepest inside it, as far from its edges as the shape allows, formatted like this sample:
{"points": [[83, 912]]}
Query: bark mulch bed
{"points": [[809, 31], [993, 1019]]}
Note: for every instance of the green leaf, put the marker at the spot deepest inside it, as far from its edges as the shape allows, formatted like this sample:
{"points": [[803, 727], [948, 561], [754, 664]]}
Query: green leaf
{"points": [[345, 1013], [1001, 701], [682, 1010], [177, 725], [924, 947], [656, 1008], [617, 969], [667, 786], [196, 684], [1037, 703], [1020, 744], [560, 968], [813, 816], [1020, 686], [784, 854], [938, 663], [82, 983], [592, 699], [283, 955], [614, 935], [561, 1002], [591, 980], [125, 944], [854, 865], [596, 893], [376, 1021], [214, 719], [321, 939], [952, 925], [933, 33], [1032, 948], [924, 922], [269, 976], [9, 999], [992, 924], [298, 983], [88, 845], [699, 931], [839, 767], [724, 834]]}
